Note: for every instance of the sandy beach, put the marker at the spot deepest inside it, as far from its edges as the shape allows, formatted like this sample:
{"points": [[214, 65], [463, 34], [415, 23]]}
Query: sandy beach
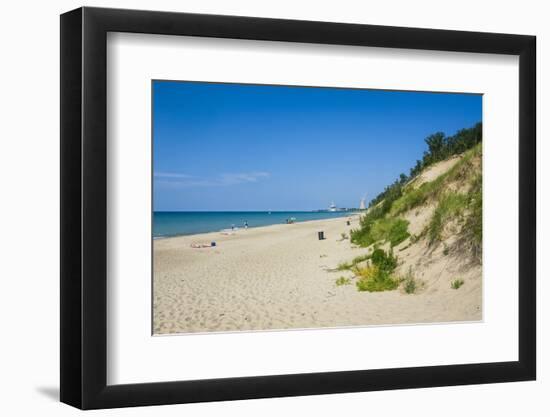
{"points": [[282, 277]]}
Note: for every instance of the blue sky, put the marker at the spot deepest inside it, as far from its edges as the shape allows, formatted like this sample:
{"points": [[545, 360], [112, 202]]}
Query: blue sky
{"points": [[233, 147]]}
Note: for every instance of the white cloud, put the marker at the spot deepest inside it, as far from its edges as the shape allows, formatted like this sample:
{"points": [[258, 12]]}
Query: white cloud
{"points": [[227, 179]]}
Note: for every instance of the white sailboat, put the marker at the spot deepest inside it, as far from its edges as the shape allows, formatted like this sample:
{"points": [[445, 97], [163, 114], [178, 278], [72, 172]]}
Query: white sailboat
{"points": [[362, 205]]}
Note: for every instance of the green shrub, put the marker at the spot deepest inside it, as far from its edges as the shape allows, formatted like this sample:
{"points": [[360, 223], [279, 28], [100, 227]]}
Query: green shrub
{"points": [[362, 236], [457, 283], [378, 256], [359, 237], [410, 286], [392, 230], [377, 277], [373, 279], [385, 262], [398, 232]]}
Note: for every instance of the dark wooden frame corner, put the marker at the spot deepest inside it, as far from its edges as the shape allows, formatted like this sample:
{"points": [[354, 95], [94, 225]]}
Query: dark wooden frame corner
{"points": [[84, 209]]}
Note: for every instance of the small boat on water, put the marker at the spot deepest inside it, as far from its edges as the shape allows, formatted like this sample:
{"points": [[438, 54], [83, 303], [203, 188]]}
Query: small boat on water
{"points": [[332, 208]]}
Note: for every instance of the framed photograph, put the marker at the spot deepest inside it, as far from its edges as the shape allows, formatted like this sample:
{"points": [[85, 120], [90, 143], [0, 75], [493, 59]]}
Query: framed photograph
{"points": [[258, 208]]}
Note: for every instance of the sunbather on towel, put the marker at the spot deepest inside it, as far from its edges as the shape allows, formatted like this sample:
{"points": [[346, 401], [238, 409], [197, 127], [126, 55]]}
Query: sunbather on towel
{"points": [[200, 245]]}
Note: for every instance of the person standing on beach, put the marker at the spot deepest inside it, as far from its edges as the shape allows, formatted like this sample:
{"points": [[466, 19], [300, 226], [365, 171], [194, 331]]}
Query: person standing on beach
{"points": [[245, 224]]}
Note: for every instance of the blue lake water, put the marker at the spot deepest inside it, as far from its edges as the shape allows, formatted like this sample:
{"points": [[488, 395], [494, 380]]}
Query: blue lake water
{"points": [[170, 223]]}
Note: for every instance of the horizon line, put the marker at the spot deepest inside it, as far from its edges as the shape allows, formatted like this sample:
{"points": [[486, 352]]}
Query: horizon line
{"points": [[253, 211]]}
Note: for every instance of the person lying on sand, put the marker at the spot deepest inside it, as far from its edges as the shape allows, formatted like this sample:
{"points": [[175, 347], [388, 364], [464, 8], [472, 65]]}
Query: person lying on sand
{"points": [[201, 245]]}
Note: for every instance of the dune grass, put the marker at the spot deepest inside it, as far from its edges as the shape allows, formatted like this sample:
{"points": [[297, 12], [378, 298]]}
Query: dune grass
{"points": [[360, 258], [450, 206], [410, 284], [474, 222], [382, 223], [343, 281], [415, 197], [467, 207], [346, 266], [393, 230]]}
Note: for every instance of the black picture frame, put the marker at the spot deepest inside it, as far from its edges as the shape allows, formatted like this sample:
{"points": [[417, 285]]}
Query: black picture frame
{"points": [[84, 207]]}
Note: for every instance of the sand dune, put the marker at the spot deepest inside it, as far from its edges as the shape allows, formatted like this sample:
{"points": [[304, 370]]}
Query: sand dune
{"points": [[434, 171], [279, 277]]}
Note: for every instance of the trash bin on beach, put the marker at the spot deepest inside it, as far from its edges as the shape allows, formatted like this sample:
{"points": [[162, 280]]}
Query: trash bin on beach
{"points": [[321, 235], [348, 223], [212, 243]]}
